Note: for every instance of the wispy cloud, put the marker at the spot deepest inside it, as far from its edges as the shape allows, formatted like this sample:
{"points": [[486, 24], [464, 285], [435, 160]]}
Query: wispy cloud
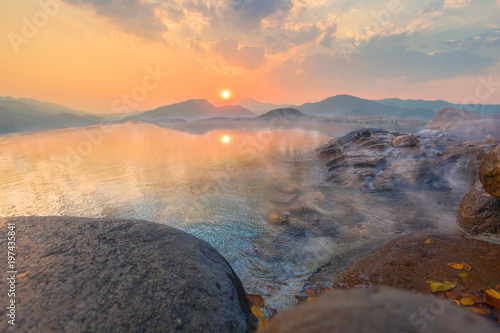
{"points": [[456, 3]]}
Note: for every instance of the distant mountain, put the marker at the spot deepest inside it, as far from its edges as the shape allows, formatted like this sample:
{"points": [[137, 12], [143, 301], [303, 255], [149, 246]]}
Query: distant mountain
{"points": [[12, 121], [253, 105], [439, 104], [33, 104], [192, 109], [350, 106], [284, 113]]}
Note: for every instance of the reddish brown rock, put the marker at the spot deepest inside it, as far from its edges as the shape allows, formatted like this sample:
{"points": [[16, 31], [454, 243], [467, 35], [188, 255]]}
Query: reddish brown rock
{"points": [[378, 310], [408, 262], [479, 212], [489, 172], [472, 175], [405, 141]]}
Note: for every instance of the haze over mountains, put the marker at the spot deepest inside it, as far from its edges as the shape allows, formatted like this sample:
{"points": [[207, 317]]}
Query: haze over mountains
{"points": [[21, 115]]}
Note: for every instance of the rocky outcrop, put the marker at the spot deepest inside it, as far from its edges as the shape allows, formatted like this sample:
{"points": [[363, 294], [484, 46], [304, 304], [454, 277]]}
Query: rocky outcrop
{"points": [[479, 212], [408, 262], [465, 123], [489, 172], [381, 160], [104, 275], [378, 310]]}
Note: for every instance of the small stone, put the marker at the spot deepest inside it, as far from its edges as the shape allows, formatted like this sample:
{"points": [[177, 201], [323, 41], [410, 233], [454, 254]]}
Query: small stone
{"points": [[405, 141]]}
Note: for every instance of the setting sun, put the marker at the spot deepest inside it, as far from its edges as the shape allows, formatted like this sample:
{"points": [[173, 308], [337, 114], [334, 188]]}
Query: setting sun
{"points": [[225, 139], [226, 94]]}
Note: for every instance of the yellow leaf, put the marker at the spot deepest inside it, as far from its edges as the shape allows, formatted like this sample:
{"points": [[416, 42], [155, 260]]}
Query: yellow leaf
{"points": [[257, 312], [262, 323], [456, 301], [451, 284], [431, 281], [456, 266], [438, 286], [309, 299], [493, 293], [429, 241], [481, 311], [467, 267], [464, 274], [466, 301]]}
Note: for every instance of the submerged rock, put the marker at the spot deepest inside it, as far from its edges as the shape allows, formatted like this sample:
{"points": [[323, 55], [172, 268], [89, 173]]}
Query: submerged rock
{"points": [[489, 172], [479, 212], [104, 275], [378, 310]]}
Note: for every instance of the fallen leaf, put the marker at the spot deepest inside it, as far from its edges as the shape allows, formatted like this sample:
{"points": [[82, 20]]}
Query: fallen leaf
{"points": [[262, 323], [451, 284], [451, 295], [326, 289], [457, 301], [257, 312], [310, 293], [467, 267], [431, 281], [270, 290], [256, 300], [493, 293], [438, 286], [456, 266], [476, 299], [480, 311], [464, 274], [429, 241], [493, 304], [309, 299], [466, 301]]}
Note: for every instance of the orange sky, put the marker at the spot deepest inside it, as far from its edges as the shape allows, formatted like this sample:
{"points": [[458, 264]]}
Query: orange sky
{"points": [[88, 55]]}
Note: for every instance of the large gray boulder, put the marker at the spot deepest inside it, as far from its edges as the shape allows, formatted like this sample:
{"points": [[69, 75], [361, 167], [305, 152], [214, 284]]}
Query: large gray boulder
{"points": [[104, 275], [378, 310]]}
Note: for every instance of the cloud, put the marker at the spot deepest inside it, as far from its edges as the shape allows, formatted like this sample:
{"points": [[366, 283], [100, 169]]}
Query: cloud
{"points": [[248, 14], [249, 57], [384, 58], [456, 3], [131, 16]]}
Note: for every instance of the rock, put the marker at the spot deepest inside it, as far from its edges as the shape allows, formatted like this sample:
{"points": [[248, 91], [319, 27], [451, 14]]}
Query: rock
{"points": [[479, 212], [472, 175], [465, 123], [489, 172], [405, 141], [408, 262], [378, 310], [105, 275], [380, 160]]}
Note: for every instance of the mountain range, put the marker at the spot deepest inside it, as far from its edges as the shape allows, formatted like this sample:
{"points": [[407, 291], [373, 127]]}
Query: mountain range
{"points": [[18, 115]]}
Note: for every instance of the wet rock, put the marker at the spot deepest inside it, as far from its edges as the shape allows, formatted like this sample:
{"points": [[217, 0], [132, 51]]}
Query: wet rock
{"points": [[104, 275], [378, 310], [408, 262], [386, 161], [479, 212], [489, 172], [405, 141]]}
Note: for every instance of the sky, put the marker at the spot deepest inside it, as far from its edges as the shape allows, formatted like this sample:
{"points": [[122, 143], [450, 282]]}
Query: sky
{"points": [[123, 55]]}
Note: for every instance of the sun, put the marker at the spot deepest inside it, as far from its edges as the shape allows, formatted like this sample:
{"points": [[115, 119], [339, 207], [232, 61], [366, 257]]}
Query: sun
{"points": [[225, 139], [226, 94]]}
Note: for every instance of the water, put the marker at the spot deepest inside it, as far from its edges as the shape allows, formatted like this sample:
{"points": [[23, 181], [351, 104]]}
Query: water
{"points": [[233, 195]]}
